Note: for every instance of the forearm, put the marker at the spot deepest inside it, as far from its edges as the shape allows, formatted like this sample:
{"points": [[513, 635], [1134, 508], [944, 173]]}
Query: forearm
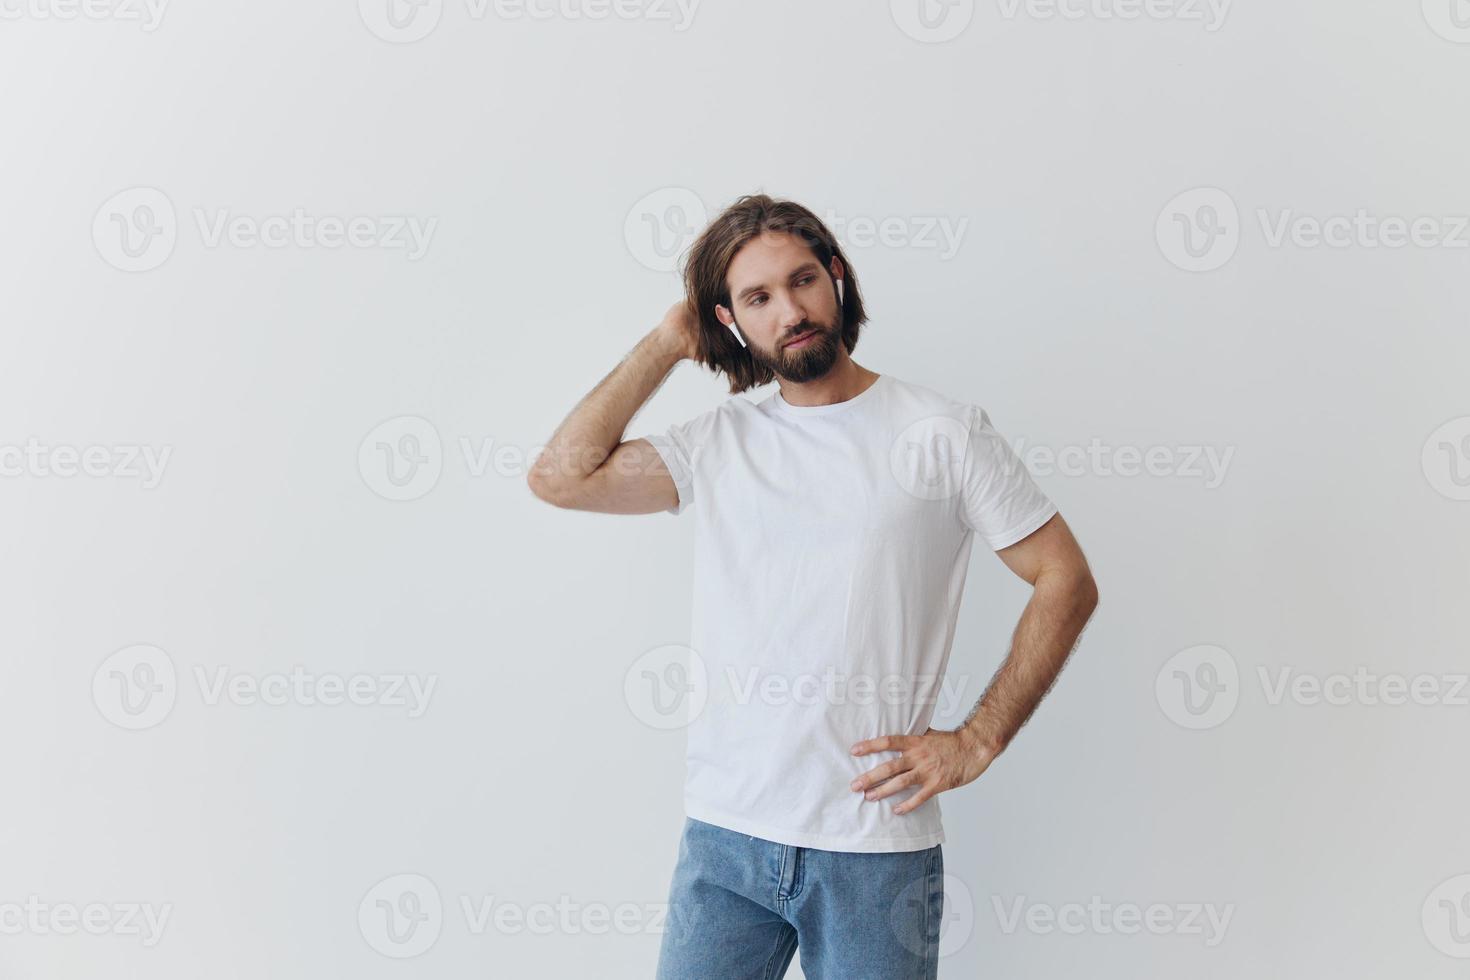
{"points": [[595, 426], [1061, 603]]}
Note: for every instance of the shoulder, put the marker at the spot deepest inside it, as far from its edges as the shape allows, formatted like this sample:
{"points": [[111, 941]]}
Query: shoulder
{"points": [[721, 420], [911, 403]]}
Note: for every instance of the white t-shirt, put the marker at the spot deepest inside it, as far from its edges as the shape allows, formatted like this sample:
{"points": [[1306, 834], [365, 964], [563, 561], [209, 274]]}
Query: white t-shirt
{"points": [[832, 544]]}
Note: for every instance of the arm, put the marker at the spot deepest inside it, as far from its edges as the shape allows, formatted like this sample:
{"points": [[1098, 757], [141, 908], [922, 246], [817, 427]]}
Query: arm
{"points": [[585, 465], [1063, 598]]}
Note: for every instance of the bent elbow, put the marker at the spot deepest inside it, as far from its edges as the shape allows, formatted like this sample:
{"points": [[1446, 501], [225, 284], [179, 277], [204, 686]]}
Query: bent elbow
{"points": [[546, 489], [1087, 593]]}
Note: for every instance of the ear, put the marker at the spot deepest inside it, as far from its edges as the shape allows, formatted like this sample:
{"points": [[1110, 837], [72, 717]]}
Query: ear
{"points": [[838, 272], [725, 317]]}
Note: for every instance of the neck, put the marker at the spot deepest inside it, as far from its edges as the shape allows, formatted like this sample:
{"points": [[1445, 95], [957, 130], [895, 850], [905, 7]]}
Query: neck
{"points": [[846, 380]]}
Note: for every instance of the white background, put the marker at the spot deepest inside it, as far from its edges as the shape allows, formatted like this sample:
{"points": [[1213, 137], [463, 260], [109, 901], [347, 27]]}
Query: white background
{"points": [[1335, 539]]}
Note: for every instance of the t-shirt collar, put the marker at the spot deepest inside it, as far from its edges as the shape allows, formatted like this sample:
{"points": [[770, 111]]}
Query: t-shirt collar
{"points": [[781, 405]]}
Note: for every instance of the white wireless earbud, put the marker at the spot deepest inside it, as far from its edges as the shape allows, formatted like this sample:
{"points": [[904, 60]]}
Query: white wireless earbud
{"points": [[839, 292], [736, 333]]}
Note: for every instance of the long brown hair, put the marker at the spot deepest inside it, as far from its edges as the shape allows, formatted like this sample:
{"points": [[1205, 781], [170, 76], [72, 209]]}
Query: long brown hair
{"points": [[708, 262]]}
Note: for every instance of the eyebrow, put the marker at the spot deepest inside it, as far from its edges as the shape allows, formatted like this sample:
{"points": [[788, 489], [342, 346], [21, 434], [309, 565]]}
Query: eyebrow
{"points": [[804, 267]]}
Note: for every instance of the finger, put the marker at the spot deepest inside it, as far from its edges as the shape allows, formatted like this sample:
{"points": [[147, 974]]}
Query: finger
{"points": [[875, 776], [926, 791], [894, 785], [884, 743]]}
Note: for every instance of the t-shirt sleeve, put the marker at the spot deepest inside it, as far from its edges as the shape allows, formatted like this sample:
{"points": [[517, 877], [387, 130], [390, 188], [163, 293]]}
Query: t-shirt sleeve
{"points": [[678, 446], [999, 498]]}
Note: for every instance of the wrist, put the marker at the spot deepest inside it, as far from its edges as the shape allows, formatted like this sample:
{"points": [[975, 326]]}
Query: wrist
{"points": [[665, 345], [980, 744]]}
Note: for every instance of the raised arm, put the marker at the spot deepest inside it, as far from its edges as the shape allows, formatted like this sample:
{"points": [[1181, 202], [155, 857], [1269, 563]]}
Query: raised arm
{"points": [[585, 465]]}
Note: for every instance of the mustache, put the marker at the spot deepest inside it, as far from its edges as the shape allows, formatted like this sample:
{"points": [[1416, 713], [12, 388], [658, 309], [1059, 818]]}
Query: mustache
{"points": [[805, 327]]}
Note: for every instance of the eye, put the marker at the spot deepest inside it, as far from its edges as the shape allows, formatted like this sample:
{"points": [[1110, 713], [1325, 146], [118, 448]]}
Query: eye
{"points": [[755, 300], [806, 280]]}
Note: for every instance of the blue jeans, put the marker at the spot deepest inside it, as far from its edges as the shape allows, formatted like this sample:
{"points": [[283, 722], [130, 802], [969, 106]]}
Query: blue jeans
{"points": [[739, 906]]}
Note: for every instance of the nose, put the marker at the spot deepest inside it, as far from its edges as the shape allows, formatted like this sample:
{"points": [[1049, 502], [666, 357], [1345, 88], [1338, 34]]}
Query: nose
{"points": [[792, 314]]}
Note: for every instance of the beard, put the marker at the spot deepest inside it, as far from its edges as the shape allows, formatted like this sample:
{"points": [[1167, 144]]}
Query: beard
{"points": [[807, 363]]}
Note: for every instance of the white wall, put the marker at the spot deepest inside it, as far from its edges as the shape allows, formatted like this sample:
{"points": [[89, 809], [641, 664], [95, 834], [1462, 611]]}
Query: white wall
{"points": [[530, 154]]}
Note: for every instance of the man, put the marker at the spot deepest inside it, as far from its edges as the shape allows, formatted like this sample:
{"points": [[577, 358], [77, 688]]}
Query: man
{"points": [[834, 524]]}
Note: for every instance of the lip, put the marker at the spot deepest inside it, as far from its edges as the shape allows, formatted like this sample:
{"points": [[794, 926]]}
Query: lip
{"points": [[803, 340]]}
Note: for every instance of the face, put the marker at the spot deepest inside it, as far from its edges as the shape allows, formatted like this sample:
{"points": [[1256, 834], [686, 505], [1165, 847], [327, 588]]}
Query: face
{"points": [[779, 291]]}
